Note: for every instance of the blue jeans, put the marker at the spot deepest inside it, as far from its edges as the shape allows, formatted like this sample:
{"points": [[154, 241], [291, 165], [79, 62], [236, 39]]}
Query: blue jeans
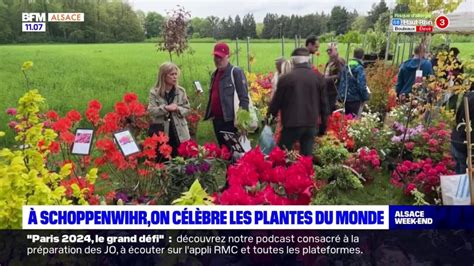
{"points": [[460, 159]]}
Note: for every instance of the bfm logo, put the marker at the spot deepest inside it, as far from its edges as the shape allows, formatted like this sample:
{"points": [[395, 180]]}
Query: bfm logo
{"points": [[396, 22], [33, 17]]}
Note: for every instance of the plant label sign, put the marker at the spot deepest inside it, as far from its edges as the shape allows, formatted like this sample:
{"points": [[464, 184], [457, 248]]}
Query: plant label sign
{"points": [[83, 141], [126, 142], [198, 86]]}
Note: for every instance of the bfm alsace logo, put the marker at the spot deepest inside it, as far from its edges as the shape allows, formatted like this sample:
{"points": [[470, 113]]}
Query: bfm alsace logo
{"points": [[36, 22]]}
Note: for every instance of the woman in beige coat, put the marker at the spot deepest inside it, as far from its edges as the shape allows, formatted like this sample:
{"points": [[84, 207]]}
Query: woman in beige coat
{"points": [[168, 106]]}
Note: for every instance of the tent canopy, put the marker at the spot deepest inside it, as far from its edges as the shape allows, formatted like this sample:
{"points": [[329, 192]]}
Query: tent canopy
{"points": [[461, 20]]}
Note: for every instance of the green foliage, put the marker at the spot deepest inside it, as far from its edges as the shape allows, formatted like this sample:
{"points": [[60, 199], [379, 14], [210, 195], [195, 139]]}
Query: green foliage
{"points": [[447, 6], [196, 195], [244, 119], [340, 20], [350, 37], [419, 198], [331, 154]]}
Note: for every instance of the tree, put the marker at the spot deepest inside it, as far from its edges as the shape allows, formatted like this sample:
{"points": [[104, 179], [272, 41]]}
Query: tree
{"points": [[249, 26], [153, 24], [339, 21], [375, 12], [270, 21], [446, 6], [174, 32], [359, 24], [238, 28], [214, 23]]}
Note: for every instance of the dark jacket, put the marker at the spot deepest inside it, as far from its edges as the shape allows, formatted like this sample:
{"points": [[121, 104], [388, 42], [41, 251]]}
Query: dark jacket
{"points": [[407, 73], [355, 84], [226, 92], [301, 98], [458, 136]]}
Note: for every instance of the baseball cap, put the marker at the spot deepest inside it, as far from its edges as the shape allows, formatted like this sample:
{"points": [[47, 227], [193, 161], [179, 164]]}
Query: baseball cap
{"points": [[221, 49]]}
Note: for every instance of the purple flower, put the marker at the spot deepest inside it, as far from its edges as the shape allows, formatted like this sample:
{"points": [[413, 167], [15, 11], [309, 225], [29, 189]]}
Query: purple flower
{"points": [[122, 196], [190, 169], [204, 167]]}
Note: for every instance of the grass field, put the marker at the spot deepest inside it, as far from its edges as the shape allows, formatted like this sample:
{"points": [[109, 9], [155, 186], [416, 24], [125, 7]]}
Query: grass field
{"points": [[70, 75]]}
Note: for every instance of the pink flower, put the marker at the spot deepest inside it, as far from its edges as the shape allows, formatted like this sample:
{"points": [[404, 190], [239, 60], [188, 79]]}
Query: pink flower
{"points": [[410, 145], [11, 111], [12, 124], [410, 187]]}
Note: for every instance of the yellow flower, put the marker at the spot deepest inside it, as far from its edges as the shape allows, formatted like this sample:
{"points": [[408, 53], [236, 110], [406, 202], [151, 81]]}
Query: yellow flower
{"points": [[27, 65], [2, 133]]}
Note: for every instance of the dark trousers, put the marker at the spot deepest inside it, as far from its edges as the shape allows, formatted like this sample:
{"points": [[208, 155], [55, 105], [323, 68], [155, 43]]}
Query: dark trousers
{"points": [[305, 136], [353, 108], [221, 125]]}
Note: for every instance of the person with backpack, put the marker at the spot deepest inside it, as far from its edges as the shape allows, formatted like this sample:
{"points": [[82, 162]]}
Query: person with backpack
{"points": [[226, 80], [352, 87], [412, 71]]}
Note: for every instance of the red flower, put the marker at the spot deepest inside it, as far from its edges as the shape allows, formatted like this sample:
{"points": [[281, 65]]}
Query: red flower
{"points": [[277, 156], [143, 172], [188, 149], [62, 125], [54, 147], [136, 109], [225, 153], [104, 176], [122, 109], [67, 137], [111, 123], [130, 97], [212, 150], [52, 115], [93, 116], [74, 116], [110, 196], [94, 200], [94, 104], [166, 150], [410, 187]]}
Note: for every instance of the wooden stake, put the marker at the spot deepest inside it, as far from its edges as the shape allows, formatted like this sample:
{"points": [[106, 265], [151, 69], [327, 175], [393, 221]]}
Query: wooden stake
{"points": [[469, 147]]}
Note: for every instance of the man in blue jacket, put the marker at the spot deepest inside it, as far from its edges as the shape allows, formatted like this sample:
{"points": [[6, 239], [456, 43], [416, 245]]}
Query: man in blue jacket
{"points": [[352, 90], [407, 73]]}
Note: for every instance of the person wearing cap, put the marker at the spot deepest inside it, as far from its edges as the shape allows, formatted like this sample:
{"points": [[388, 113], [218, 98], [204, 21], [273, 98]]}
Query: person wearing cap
{"points": [[332, 71], [225, 81], [301, 99]]}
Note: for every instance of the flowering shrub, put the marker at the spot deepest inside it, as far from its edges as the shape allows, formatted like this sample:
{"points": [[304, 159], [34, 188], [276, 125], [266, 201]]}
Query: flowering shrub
{"points": [[338, 127], [134, 175], [381, 78], [423, 175], [24, 177], [366, 162], [368, 131], [196, 163], [255, 180], [260, 89]]}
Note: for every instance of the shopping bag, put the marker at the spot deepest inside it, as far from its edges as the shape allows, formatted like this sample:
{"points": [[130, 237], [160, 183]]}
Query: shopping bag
{"points": [[245, 143], [266, 140], [455, 190]]}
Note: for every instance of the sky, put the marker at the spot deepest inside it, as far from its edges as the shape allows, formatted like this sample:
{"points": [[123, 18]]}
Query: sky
{"points": [[225, 8]]}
